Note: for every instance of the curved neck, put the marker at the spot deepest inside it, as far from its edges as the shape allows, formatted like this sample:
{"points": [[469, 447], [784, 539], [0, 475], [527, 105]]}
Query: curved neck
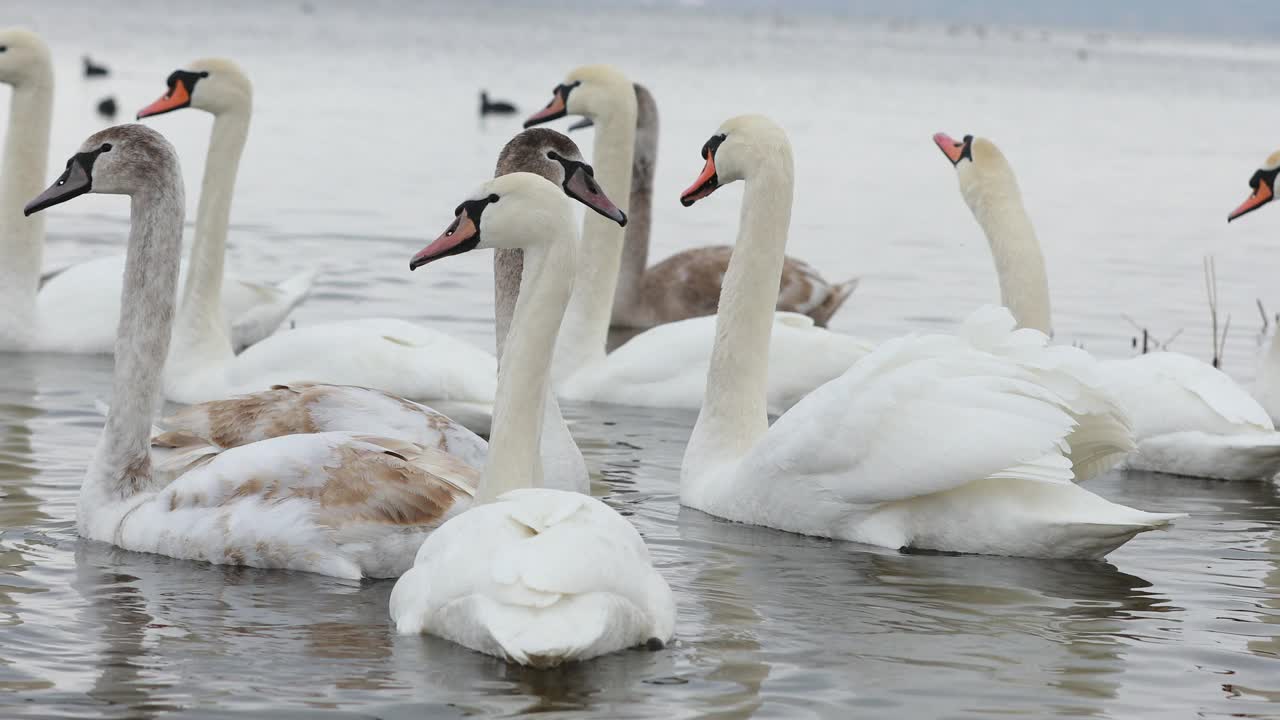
{"points": [[122, 463], [635, 247], [515, 438], [586, 326], [23, 176], [1024, 284], [201, 328], [735, 411]]}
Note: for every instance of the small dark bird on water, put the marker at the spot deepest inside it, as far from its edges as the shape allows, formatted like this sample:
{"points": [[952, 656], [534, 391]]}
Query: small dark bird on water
{"points": [[494, 107], [107, 107], [92, 69]]}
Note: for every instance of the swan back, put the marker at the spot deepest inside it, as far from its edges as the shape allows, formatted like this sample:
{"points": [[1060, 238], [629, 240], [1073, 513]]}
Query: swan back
{"points": [[25, 58]]}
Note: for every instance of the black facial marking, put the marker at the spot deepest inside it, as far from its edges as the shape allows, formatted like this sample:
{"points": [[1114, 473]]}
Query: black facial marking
{"points": [[474, 209], [3, 48], [966, 151], [571, 167], [708, 152], [561, 92], [1268, 175], [79, 173], [710, 146], [188, 78]]}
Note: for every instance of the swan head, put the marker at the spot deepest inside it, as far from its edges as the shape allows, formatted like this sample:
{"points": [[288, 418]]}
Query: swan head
{"points": [[1263, 184], [121, 160], [741, 147], [554, 156], [593, 91], [980, 166], [215, 85], [519, 210], [24, 58]]}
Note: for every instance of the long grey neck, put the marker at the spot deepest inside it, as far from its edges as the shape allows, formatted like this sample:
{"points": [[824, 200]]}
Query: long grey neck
{"points": [[515, 438], [122, 464], [201, 328], [507, 268], [635, 248], [1020, 267], [734, 411], [23, 176], [586, 326]]}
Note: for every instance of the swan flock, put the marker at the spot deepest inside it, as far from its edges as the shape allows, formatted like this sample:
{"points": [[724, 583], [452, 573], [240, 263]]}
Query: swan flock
{"points": [[375, 447]]}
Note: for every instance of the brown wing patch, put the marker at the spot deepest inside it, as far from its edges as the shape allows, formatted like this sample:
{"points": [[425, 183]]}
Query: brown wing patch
{"points": [[245, 419], [374, 487]]}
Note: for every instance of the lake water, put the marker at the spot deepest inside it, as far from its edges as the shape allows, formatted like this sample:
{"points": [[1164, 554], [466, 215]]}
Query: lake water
{"points": [[1130, 151]]}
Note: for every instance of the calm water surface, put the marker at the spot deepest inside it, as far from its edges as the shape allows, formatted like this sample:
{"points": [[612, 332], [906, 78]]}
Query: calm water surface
{"points": [[365, 138]]}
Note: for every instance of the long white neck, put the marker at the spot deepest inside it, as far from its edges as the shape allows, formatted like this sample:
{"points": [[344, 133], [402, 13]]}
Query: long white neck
{"points": [[515, 437], [734, 411], [201, 334], [1024, 286], [122, 464], [586, 326], [22, 177], [635, 248]]}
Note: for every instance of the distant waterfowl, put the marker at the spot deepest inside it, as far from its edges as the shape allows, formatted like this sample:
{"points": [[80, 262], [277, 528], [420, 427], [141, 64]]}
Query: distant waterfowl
{"points": [[1188, 417], [665, 366], [92, 69], [930, 442], [344, 504], [107, 107], [1267, 388], [687, 284], [314, 407], [494, 107], [72, 309], [534, 576]]}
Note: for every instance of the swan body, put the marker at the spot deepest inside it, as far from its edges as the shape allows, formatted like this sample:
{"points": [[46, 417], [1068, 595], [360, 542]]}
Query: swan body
{"points": [[687, 284], [255, 309], [346, 504], [75, 308], [1189, 418], [664, 366], [531, 575], [949, 443]]}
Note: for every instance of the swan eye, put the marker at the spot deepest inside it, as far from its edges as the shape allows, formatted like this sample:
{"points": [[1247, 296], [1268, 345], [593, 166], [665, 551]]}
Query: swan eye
{"points": [[3, 48], [106, 147], [493, 198]]}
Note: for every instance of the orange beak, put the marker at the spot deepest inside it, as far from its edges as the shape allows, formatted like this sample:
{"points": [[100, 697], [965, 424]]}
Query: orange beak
{"points": [[953, 149], [1262, 195], [554, 109], [175, 99], [462, 235], [706, 183]]}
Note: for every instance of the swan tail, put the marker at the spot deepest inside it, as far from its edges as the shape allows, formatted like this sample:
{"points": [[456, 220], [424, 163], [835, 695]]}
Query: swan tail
{"points": [[834, 301], [474, 416], [279, 300], [1246, 456], [1099, 443]]}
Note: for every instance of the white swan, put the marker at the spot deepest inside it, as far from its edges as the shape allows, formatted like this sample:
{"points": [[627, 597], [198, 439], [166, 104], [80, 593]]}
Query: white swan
{"points": [[388, 354], [687, 283], [1267, 387], [665, 366], [1188, 417], [76, 307], [534, 576], [316, 407], [928, 442], [344, 504]]}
